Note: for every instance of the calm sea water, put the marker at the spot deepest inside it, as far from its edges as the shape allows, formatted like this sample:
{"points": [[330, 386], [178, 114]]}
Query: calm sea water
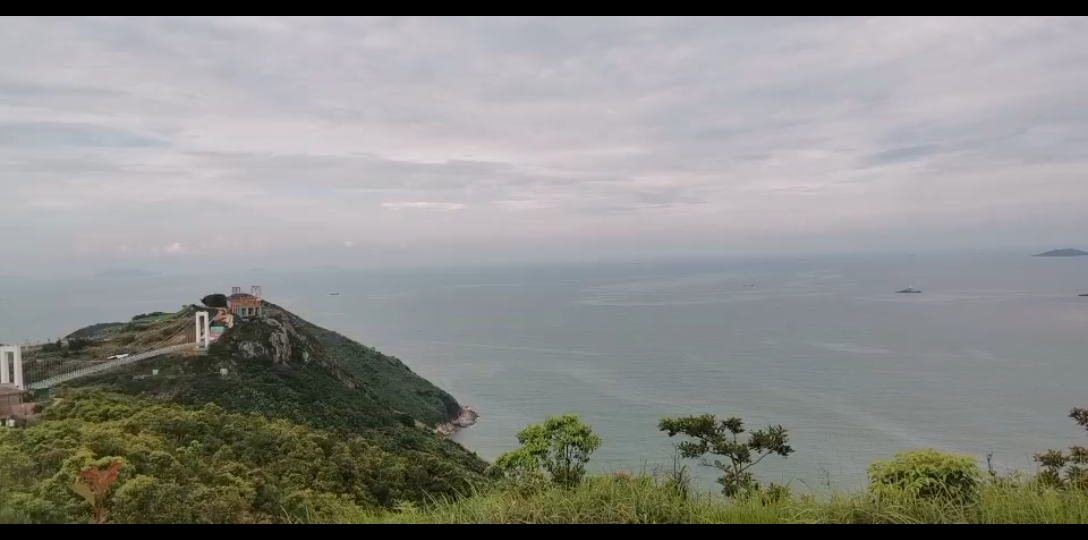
{"points": [[989, 359]]}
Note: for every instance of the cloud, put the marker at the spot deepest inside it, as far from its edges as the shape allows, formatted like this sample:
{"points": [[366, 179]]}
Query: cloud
{"points": [[349, 244], [175, 248], [288, 133], [433, 206]]}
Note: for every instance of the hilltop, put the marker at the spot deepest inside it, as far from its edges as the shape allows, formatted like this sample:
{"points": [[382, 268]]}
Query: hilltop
{"points": [[279, 357], [1064, 253], [304, 421]]}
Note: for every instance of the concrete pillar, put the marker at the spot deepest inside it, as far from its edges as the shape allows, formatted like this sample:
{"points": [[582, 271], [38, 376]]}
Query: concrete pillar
{"points": [[19, 369], [203, 329], [4, 365]]}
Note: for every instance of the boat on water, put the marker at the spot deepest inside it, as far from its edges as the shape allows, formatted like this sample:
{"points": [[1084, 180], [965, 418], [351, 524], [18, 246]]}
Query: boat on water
{"points": [[909, 290], [334, 294]]}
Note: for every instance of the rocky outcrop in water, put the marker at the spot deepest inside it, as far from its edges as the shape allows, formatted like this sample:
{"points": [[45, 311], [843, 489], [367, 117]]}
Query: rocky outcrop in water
{"points": [[468, 418]]}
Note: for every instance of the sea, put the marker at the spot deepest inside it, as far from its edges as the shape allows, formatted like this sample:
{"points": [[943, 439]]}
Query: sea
{"points": [[987, 361]]}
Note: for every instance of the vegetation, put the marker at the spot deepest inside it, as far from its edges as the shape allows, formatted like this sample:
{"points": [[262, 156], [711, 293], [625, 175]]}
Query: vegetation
{"points": [[927, 474], [724, 439], [645, 499], [284, 367], [216, 301], [204, 465], [94, 330], [560, 448], [1067, 469], [155, 315]]}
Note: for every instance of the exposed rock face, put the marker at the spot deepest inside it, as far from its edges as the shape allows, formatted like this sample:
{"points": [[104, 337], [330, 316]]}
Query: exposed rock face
{"points": [[280, 340], [295, 346], [468, 418]]}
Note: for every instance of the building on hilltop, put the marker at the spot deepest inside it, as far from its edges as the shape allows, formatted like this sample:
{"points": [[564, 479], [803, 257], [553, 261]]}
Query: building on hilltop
{"points": [[246, 305]]}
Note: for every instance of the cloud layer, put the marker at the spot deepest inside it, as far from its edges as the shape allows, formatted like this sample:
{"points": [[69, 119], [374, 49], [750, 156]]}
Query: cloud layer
{"points": [[183, 136]]}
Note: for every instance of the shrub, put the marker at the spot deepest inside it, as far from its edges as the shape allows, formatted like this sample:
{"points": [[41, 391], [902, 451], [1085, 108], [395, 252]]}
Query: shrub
{"points": [[78, 344], [927, 474], [1066, 469], [724, 438], [561, 447]]}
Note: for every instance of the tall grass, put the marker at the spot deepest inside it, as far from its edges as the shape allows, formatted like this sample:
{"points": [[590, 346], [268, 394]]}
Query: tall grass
{"points": [[646, 500]]}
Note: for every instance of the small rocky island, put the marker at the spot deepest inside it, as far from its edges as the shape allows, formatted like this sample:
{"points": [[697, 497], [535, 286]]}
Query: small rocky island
{"points": [[1064, 253], [909, 290]]}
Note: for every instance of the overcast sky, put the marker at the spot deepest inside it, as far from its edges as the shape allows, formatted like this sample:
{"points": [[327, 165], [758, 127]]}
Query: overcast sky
{"points": [[133, 142]]}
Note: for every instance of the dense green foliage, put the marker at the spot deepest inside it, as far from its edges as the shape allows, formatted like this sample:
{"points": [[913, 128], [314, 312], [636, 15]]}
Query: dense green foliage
{"points": [[206, 465], [216, 301], [94, 329], [285, 367], [560, 448], [927, 474], [725, 439], [152, 315]]}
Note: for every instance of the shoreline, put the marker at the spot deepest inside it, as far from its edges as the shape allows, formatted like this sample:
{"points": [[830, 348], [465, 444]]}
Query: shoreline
{"points": [[468, 418]]}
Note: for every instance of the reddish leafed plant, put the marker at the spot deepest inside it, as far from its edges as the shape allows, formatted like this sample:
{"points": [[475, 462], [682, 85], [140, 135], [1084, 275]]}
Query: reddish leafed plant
{"points": [[93, 485]]}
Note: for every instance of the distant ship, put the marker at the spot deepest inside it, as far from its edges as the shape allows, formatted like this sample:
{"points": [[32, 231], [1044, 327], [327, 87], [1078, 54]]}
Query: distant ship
{"points": [[334, 294], [909, 290]]}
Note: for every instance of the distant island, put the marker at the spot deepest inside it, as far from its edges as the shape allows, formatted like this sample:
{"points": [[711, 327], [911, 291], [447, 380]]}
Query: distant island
{"points": [[1064, 253]]}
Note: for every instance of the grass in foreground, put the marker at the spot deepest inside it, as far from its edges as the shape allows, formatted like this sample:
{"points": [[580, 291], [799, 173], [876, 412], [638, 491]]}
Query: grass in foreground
{"points": [[644, 500]]}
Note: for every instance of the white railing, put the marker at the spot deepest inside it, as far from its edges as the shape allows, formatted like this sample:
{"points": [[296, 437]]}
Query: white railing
{"points": [[106, 366]]}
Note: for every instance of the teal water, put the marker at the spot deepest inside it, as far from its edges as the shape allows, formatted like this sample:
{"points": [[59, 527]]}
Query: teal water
{"points": [[989, 359]]}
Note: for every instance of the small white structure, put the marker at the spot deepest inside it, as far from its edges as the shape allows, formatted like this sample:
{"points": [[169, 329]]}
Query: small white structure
{"points": [[223, 372], [203, 329], [154, 373], [12, 356]]}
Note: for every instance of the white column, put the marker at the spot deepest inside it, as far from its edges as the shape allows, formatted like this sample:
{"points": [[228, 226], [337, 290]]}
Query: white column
{"points": [[203, 329], [19, 369], [4, 365]]}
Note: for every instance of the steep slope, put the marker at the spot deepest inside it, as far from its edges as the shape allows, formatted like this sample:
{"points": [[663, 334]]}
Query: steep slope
{"points": [[281, 366]]}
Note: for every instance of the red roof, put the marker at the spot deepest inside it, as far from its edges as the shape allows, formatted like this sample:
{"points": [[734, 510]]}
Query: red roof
{"points": [[244, 300]]}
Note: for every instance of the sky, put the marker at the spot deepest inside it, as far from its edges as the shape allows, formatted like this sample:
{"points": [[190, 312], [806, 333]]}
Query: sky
{"points": [[166, 142]]}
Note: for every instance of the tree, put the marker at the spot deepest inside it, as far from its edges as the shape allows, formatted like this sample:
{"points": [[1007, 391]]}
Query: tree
{"points": [[1067, 469], [561, 448], [216, 301], [724, 438]]}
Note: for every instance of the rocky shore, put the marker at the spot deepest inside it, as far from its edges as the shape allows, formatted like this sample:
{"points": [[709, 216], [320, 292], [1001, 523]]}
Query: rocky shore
{"points": [[467, 419]]}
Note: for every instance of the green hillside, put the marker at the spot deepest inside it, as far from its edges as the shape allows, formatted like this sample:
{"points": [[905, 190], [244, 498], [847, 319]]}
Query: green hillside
{"points": [[303, 414]]}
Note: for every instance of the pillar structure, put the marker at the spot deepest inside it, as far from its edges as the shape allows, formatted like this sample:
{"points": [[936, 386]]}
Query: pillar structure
{"points": [[5, 371], [11, 366], [19, 383], [203, 329]]}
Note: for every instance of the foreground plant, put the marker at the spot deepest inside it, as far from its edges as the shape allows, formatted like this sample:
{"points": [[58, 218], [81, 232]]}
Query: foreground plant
{"points": [[560, 448], [93, 485], [725, 438]]}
